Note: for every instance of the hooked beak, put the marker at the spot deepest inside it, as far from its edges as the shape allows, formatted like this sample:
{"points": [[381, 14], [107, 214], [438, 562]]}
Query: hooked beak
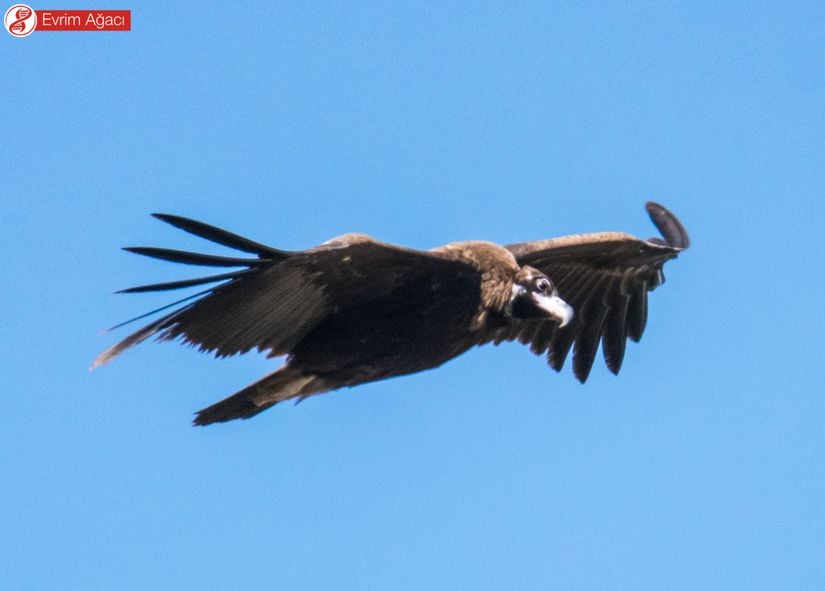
{"points": [[555, 307]]}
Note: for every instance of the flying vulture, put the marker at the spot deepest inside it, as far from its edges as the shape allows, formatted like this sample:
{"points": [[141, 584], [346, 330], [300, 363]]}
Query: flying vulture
{"points": [[354, 310]]}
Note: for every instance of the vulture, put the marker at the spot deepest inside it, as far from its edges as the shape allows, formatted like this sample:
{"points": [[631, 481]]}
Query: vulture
{"points": [[355, 310]]}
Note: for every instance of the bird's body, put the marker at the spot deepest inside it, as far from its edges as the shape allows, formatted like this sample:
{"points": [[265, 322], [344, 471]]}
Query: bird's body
{"points": [[355, 310]]}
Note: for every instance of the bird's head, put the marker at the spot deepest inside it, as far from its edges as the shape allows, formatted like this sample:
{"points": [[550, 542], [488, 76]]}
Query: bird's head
{"points": [[534, 296]]}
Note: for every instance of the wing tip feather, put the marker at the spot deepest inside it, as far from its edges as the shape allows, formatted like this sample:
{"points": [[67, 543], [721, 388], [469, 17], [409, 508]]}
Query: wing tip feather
{"points": [[672, 230], [104, 357]]}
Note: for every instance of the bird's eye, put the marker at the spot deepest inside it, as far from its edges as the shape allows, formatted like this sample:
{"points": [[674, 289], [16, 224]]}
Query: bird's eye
{"points": [[543, 284]]}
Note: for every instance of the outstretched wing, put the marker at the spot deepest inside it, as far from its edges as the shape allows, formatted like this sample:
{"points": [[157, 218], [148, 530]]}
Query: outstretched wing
{"points": [[278, 297], [606, 278]]}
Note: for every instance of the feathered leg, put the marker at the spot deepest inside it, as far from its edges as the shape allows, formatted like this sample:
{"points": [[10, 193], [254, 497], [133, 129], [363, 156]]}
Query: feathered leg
{"points": [[282, 384]]}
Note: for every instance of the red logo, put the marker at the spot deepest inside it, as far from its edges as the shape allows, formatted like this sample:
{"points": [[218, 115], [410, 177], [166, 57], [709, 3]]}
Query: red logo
{"points": [[20, 20]]}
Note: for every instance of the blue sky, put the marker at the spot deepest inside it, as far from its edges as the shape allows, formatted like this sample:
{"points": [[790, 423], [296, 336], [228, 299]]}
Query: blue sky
{"points": [[699, 467]]}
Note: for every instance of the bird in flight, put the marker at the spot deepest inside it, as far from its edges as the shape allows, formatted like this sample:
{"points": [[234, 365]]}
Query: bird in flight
{"points": [[355, 310]]}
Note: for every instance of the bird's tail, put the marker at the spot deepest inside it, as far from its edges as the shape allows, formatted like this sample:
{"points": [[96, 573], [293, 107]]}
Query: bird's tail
{"points": [[282, 384]]}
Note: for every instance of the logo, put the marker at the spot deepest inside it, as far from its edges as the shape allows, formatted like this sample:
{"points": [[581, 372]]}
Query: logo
{"points": [[20, 20]]}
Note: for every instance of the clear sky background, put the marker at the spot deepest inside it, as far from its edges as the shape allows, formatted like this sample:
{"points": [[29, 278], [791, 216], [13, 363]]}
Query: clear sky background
{"points": [[702, 466]]}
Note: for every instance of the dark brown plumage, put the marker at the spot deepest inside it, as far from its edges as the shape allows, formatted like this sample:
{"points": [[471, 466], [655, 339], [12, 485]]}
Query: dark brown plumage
{"points": [[355, 310]]}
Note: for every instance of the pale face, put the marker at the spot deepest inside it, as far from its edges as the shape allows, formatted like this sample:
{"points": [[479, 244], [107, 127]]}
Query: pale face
{"points": [[534, 296]]}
